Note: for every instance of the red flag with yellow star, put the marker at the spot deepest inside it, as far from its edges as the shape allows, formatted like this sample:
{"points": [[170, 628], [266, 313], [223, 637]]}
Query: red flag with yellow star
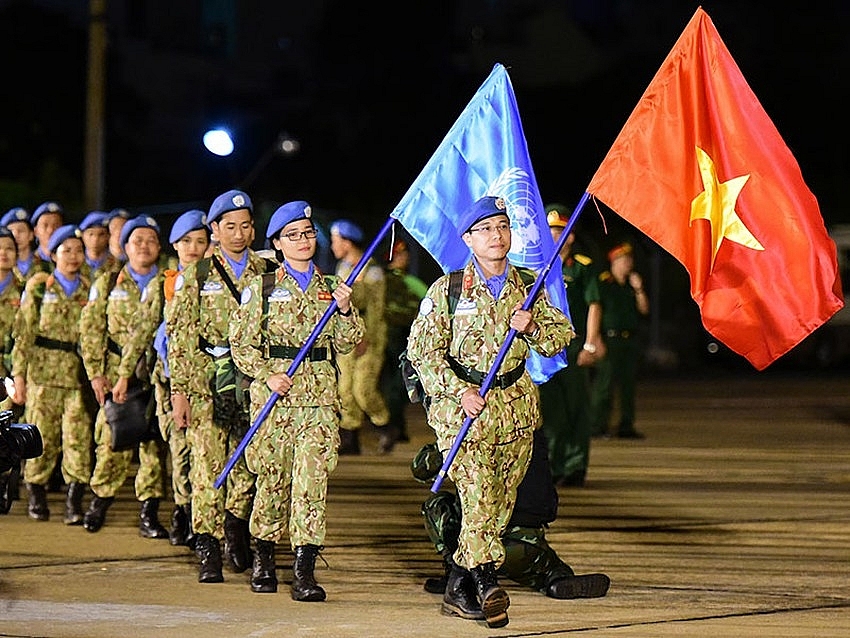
{"points": [[701, 169]]}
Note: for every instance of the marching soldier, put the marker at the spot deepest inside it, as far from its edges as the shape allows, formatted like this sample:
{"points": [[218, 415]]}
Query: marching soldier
{"points": [[17, 220], [46, 218], [95, 229], [207, 393], [117, 326], [49, 375], [295, 449]]}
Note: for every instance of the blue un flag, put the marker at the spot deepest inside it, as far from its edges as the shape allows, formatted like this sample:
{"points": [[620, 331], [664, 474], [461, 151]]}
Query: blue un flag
{"points": [[485, 153]]}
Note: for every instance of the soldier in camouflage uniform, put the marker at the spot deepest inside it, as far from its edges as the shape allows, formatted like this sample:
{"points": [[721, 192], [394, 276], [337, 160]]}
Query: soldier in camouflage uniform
{"points": [[17, 220], [46, 218], [203, 376], [115, 221], [49, 376], [190, 239], [117, 326], [95, 229], [452, 355], [360, 370], [295, 449]]}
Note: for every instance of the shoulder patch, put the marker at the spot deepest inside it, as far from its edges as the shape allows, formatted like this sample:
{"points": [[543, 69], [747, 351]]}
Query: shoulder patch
{"points": [[178, 283], [93, 293], [246, 295], [426, 306]]}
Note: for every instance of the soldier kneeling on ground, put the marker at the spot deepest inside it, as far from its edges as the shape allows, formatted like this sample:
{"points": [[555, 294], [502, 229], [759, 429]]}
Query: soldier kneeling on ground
{"points": [[529, 559]]}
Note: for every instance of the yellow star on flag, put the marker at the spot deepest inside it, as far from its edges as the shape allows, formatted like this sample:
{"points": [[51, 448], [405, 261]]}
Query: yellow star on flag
{"points": [[717, 204]]}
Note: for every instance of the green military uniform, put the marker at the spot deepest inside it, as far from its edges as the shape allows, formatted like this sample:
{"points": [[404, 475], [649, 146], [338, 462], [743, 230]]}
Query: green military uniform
{"points": [[359, 374], [295, 449], [202, 316], [45, 355], [565, 397], [117, 327], [618, 370], [92, 271], [36, 265], [10, 301], [495, 453]]}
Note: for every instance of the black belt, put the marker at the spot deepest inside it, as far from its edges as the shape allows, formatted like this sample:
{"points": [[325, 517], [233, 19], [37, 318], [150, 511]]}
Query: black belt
{"points": [[476, 377], [55, 344], [113, 347], [290, 352], [618, 334], [206, 346]]}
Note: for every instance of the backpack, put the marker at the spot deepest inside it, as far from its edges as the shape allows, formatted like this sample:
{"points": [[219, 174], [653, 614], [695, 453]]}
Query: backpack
{"points": [[409, 376]]}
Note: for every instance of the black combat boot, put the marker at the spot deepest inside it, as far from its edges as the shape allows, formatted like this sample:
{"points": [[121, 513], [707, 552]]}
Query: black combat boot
{"points": [[179, 532], [349, 442], [96, 514], [584, 586], [208, 550], [263, 577], [304, 587], [237, 542], [74, 504], [494, 600], [460, 596], [149, 525], [37, 502]]}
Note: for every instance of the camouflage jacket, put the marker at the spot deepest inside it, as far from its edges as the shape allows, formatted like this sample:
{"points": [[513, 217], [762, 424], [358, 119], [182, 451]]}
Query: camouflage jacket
{"points": [[368, 294], [292, 316], [473, 336], [10, 301], [121, 316], [204, 313], [47, 333]]}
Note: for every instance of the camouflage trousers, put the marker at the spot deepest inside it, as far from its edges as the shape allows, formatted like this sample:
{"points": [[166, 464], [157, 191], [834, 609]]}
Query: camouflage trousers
{"points": [[65, 425], [292, 455], [486, 477], [359, 389], [111, 468], [529, 560], [179, 453], [210, 447]]}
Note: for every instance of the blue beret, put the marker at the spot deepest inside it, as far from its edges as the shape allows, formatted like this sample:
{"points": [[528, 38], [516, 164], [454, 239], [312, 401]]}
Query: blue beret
{"points": [[347, 230], [46, 207], [13, 215], [142, 221], [226, 202], [94, 219], [123, 213], [5, 232], [61, 234], [286, 214], [186, 223], [487, 206]]}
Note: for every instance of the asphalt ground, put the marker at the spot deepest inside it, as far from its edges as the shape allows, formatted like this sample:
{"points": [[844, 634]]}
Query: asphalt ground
{"points": [[731, 518]]}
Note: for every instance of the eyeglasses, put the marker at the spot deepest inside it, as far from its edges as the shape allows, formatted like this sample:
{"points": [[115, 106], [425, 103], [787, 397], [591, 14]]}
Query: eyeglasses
{"points": [[296, 235], [486, 229]]}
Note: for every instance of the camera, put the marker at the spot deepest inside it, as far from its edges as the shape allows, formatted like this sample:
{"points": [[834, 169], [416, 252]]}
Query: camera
{"points": [[17, 441]]}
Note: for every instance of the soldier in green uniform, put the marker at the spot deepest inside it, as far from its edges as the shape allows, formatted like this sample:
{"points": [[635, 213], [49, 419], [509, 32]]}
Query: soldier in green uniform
{"points": [[295, 449], [190, 239], [565, 397], [360, 370], [207, 393], [117, 327], [95, 229], [624, 302], [452, 355], [404, 291], [115, 221], [49, 376], [46, 218]]}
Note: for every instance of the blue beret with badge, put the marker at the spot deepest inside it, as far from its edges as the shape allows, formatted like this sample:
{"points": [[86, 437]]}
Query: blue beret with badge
{"points": [[95, 219], [229, 201], [186, 223], [142, 221], [45, 208], [347, 230], [16, 214], [286, 214], [123, 213], [61, 234], [483, 208]]}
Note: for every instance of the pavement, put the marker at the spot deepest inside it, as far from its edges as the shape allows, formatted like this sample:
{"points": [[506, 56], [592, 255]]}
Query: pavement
{"points": [[730, 518]]}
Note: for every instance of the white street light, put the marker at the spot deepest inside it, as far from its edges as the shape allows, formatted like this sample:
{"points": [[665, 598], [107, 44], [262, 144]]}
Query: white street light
{"points": [[218, 142]]}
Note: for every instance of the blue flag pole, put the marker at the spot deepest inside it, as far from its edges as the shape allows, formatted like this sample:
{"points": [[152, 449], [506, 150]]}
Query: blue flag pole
{"points": [[267, 408], [503, 351]]}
